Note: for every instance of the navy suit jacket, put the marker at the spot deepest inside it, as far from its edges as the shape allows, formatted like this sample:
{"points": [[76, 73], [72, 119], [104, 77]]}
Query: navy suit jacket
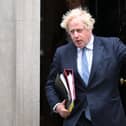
{"points": [[101, 94]]}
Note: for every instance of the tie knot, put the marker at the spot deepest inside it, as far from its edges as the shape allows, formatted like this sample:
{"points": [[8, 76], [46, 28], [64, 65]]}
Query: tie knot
{"points": [[84, 51], [86, 48]]}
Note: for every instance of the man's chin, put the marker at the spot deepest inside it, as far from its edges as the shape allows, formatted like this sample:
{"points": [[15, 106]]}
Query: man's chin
{"points": [[79, 46]]}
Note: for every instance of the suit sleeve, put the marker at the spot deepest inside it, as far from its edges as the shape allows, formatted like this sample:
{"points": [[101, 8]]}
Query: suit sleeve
{"points": [[51, 94], [120, 50]]}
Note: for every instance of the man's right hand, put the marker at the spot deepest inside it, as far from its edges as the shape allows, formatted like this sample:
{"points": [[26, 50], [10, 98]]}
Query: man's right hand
{"points": [[61, 110]]}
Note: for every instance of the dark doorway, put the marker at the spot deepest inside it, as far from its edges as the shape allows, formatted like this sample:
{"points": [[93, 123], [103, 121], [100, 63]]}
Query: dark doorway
{"points": [[110, 21]]}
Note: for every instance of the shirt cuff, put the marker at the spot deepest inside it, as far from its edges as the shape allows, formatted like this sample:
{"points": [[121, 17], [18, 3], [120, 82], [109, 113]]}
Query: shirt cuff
{"points": [[54, 108]]}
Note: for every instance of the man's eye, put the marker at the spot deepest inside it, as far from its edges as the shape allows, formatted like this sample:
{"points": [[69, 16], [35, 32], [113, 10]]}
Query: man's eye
{"points": [[72, 31], [76, 30], [79, 30]]}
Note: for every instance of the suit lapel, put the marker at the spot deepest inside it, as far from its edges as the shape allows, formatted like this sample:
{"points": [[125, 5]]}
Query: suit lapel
{"points": [[97, 58], [73, 62], [72, 58]]}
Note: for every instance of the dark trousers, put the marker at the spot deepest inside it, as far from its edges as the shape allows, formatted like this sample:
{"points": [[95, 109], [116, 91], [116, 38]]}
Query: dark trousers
{"points": [[83, 121]]}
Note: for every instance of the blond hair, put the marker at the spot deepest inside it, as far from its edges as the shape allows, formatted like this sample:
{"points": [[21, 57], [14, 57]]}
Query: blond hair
{"points": [[84, 15]]}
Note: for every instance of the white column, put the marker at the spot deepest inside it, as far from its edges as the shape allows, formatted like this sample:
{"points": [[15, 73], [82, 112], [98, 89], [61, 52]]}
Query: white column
{"points": [[7, 63], [27, 62]]}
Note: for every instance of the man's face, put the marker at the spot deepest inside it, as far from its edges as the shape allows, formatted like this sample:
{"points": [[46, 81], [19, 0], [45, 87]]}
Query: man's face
{"points": [[78, 33]]}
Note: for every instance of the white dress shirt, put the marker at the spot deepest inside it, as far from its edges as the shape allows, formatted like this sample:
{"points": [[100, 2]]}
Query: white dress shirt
{"points": [[89, 55]]}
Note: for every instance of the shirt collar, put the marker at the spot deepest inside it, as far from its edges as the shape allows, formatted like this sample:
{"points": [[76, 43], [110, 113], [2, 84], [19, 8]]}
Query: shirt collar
{"points": [[90, 43]]}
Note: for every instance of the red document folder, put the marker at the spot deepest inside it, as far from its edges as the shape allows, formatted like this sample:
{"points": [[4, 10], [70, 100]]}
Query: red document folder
{"points": [[65, 86]]}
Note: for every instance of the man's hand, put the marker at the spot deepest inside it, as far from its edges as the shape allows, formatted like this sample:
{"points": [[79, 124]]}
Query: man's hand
{"points": [[63, 112]]}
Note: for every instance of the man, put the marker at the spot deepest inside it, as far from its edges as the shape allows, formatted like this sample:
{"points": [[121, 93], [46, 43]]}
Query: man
{"points": [[98, 100]]}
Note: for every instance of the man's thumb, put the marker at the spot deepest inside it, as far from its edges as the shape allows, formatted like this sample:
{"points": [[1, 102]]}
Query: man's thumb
{"points": [[64, 101]]}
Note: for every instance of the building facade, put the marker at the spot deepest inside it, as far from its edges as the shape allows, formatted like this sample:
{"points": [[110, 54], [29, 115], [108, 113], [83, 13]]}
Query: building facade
{"points": [[19, 62]]}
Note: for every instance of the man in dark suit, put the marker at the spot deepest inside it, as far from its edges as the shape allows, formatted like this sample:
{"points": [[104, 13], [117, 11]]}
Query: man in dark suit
{"points": [[97, 100]]}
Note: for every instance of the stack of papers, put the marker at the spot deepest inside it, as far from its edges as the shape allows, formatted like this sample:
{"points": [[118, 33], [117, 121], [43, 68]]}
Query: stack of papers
{"points": [[64, 84]]}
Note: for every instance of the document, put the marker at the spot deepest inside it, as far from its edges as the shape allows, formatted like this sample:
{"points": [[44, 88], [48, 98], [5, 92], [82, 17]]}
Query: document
{"points": [[65, 86]]}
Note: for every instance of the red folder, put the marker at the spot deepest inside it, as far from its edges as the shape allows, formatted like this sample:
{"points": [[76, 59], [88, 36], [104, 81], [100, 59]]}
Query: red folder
{"points": [[66, 87]]}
